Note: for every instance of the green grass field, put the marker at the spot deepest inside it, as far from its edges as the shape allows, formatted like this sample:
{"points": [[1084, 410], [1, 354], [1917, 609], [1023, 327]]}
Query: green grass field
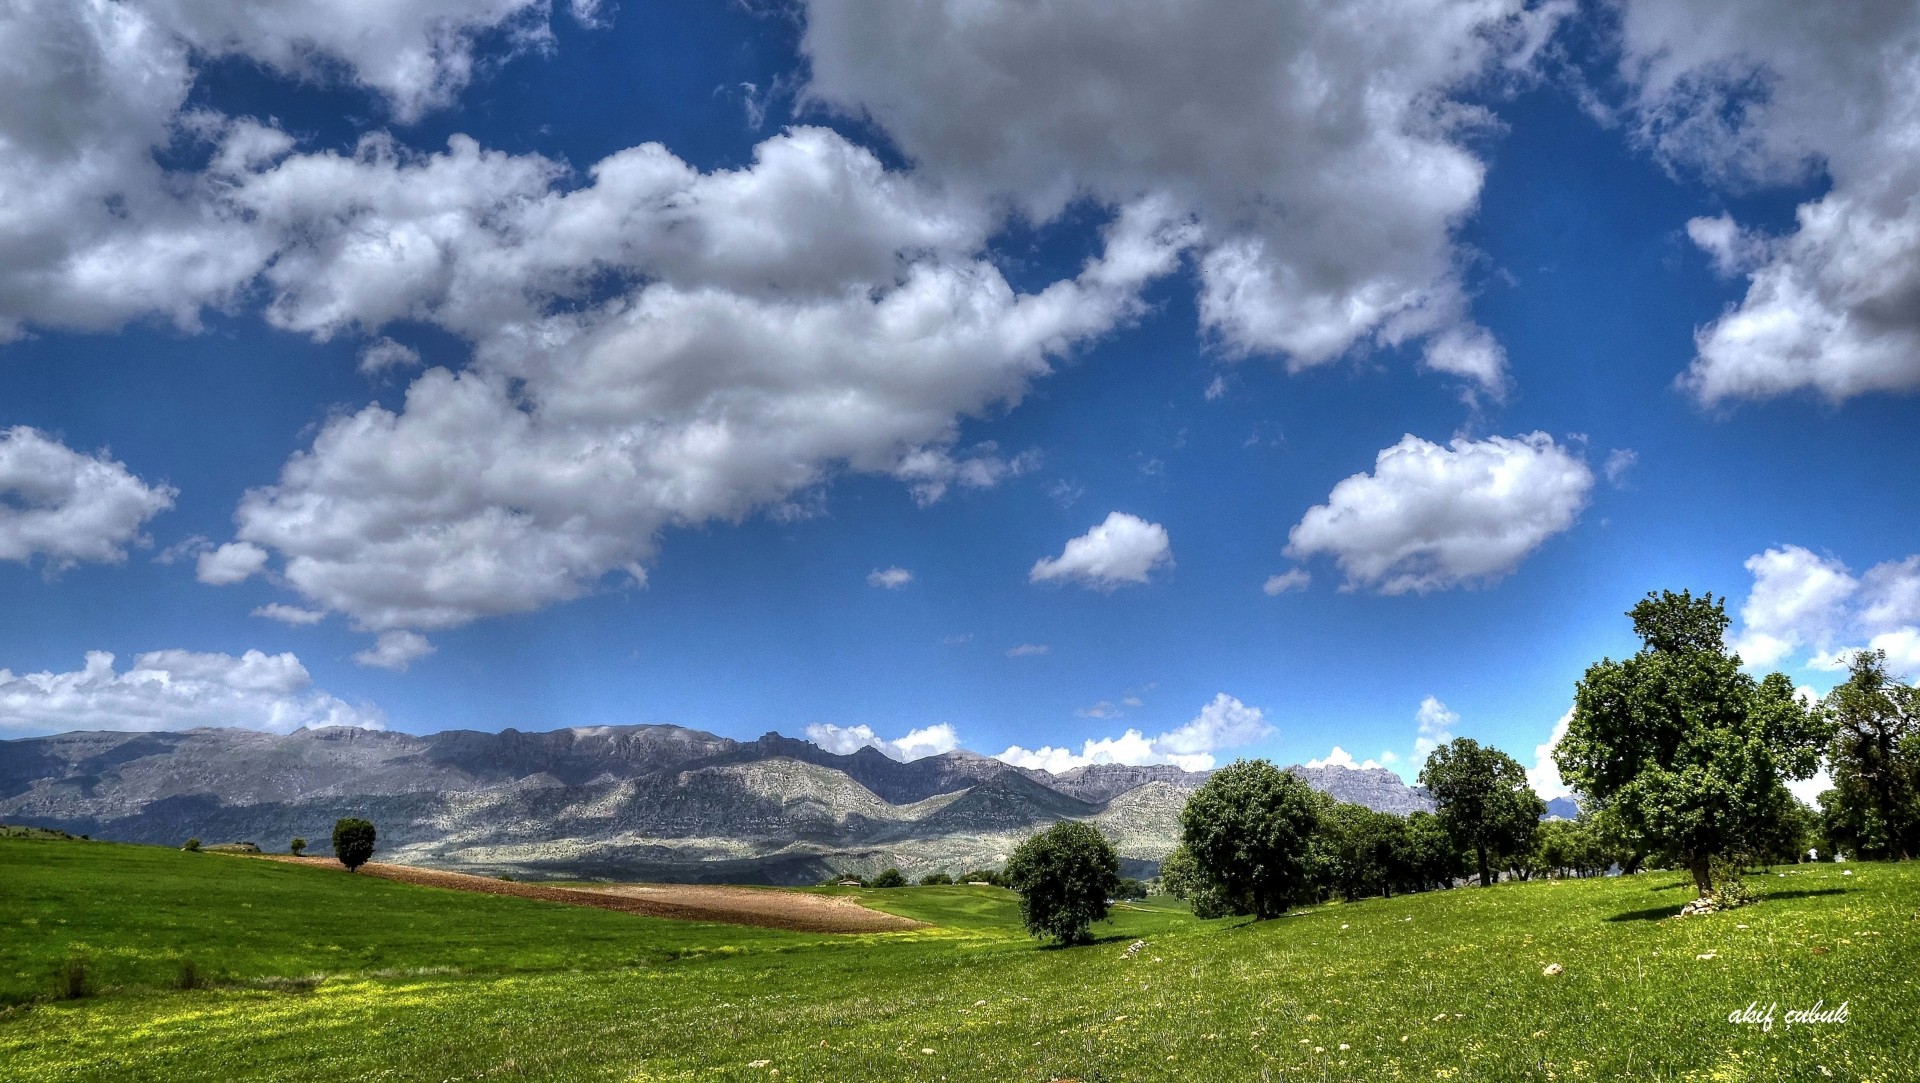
{"points": [[325, 976]]}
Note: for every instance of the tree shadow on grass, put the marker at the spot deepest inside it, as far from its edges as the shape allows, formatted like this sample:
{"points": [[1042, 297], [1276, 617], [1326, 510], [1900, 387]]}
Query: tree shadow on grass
{"points": [[1655, 913]]}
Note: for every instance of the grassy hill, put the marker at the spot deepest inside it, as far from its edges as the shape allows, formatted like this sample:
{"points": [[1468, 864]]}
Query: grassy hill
{"points": [[319, 975]]}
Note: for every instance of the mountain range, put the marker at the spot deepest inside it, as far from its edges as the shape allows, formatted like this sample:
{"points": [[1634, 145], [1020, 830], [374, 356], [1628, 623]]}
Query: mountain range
{"points": [[622, 802]]}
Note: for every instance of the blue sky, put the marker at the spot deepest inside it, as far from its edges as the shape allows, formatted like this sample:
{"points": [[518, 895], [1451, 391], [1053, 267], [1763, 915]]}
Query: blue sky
{"points": [[511, 365]]}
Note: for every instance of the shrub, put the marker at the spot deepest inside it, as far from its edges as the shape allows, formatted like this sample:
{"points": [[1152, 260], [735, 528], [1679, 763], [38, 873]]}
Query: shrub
{"points": [[890, 878], [192, 846], [1730, 889], [1064, 875], [190, 977], [297, 847], [935, 878], [353, 840], [983, 876]]}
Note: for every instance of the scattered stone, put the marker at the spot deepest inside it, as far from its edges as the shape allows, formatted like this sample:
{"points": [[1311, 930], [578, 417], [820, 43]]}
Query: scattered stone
{"points": [[1553, 970]]}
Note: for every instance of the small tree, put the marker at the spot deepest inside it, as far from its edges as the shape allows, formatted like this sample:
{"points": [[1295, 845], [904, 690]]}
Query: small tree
{"points": [[1484, 801], [353, 840], [1250, 828], [934, 879], [192, 846], [890, 878], [1687, 751], [297, 847], [1064, 875]]}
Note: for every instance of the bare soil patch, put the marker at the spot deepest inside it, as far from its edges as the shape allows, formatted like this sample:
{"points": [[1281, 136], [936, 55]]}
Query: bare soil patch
{"points": [[768, 908]]}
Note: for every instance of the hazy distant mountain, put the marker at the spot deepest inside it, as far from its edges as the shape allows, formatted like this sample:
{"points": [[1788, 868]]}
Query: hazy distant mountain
{"points": [[638, 802]]}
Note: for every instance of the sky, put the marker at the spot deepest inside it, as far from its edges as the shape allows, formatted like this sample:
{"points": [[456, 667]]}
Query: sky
{"points": [[1070, 382]]}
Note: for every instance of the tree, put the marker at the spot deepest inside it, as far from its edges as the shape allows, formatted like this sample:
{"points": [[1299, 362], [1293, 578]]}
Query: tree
{"points": [[935, 878], [1876, 760], [297, 847], [983, 876], [352, 842], [890, 878], [1064, 875], [1484, 800], [1681, 746], [1129, 888], [1250, 828], [192, 846], [1427, 857], [1361, 850]]}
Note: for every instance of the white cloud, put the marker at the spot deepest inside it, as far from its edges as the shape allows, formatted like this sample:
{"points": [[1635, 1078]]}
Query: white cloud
{"points": [[1223, 723], [1435, 724], [1765, 92], [889, 578], [1291, 579], [290, 614], [95, 230], [1798, 599], [234, 562], [1216, 389], [395, 650], [1804, 603], [917, 744], [1432, 518], [930, 472], [1317, 146], [1028, 650], [176, 690], [1544, 775], [384, 353], [417, 54], [808, 314], [1340, 757], [68, 508], [1619, 462], [1121, 550]]}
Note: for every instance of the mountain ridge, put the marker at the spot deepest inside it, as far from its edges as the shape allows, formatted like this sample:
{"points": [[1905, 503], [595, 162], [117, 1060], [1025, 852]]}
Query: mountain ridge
{"points": [[643, 801]]}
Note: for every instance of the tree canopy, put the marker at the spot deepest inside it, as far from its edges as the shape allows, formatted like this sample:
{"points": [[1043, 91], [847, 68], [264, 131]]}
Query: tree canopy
{"points": [[1688, 751], [1250, 829], [1484, 800], [353, 840], [1064, 875], [1875, 755]]}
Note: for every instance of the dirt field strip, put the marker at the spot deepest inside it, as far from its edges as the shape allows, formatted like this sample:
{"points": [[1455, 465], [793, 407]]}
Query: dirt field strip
{"points": [[767, 908]]}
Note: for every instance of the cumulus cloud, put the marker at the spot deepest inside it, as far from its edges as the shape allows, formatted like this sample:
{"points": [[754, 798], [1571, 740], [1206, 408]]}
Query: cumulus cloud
{"points": [[916, 744], [95, 230], [1121, 550], [1318, 148], [395, 650], [1289, 580], [1435, 724], [176, 690], [808, 314], [1544, 775], [1775, 92], [889, 578], [67, 508], [1812, 605], [234, 562], [1432, 518], [1340, 757], [1223, 723]]}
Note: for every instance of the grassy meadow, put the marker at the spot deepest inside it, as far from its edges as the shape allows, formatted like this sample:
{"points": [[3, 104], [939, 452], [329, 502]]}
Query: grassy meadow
{"points": [[304, 973]]}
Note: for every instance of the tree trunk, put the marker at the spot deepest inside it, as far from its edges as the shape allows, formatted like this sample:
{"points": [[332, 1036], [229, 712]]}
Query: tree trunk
{"points": [[1702, 874], [1486, 878]]}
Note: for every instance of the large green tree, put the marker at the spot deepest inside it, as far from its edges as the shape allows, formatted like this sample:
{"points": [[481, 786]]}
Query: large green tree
{"points": [[1250, 828], [353, 840], [1064, 875], [1875, 756], [1684, 749], [1484, 801]]}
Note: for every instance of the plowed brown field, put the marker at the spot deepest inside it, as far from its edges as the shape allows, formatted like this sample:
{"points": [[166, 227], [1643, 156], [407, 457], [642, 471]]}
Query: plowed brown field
{"points": [[766, 907]]}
